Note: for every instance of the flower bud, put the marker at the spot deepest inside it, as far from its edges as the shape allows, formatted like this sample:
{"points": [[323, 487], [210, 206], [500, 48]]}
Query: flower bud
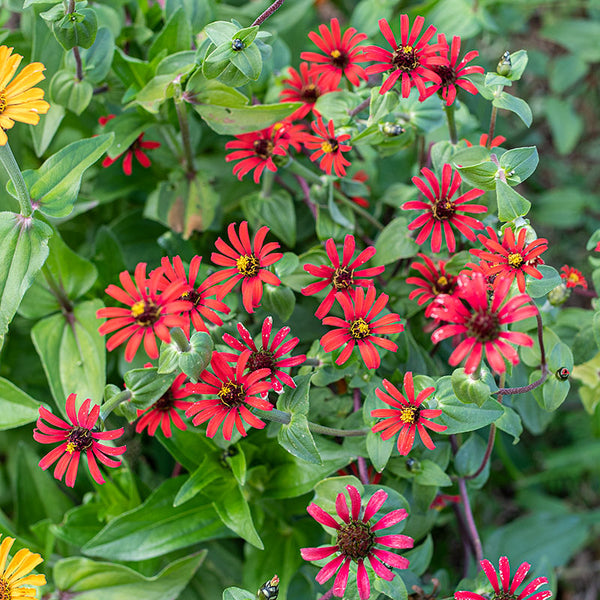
{"points": [[504, 65], [563, 373], [559, 295]]}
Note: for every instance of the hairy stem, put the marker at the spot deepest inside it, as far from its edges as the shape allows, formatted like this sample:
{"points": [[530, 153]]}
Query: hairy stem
{"points": [[76, 55], [450, 118], [353, 112], [488, 453], [306, 196], [109, 406], [280, 416], [267, 13], [7, 158], [492, 127], [470, 521]]}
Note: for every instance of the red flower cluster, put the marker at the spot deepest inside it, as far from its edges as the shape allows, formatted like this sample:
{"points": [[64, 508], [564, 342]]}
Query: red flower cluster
{"points": [[328, 147], [434, 281], [573, 277]]}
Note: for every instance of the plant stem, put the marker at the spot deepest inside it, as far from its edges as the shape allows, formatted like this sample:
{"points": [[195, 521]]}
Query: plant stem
{"points": [[77, 56], [7, 158], [362, 463], [265, 15], [267, 183], [470, 522], [353, 112], [109, 406], [184, 127], [280, 416], [488, 453], [492, 127], [449, 110], [179, 337], [306, 196], [311, 362]]}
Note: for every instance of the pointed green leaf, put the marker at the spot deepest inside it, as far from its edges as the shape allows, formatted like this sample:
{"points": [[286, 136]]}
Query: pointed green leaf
{"points": [[510, 203], [516, 105], [297, 439], [16, 407]]}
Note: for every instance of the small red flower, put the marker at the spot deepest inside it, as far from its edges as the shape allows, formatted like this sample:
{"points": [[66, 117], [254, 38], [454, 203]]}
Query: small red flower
{"points": [[358, 540], [341, 276], [442, 212], [245, 262], [232, 392], [573, 277], [496, 141], [509, 590], [290, 133], [136, 149], [469, 312], [76, 437], [151, 312], [361, 327], [510, 258], [406, 415], [328, 148], [269, 356], [411, 61], [442, 500], [341, 54]]}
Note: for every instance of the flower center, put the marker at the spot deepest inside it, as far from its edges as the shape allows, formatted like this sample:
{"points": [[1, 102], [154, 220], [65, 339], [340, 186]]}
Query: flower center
{"points": [[446, 74], [409, 414], [79, 439], [310, 93], [331, 145], [355, 540], [4, 585], [3, 105], [145, 313], [504, 596], [192, 296], [248, 265], [444, 285], [359, 329], [165, 403], [263, 148], [339, 58], [263, 359], [573, 278], [515, 260], [443, 209], [342, 278], [483, 326], [405, 58], [231, 394]]}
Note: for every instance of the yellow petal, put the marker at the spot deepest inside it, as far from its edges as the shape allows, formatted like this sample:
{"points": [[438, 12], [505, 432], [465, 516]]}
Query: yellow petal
{"points": [[9, 65], [27, 78]]}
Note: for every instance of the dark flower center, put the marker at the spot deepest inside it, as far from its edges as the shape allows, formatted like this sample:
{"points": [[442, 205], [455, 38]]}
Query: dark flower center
{"points": [[310, 93], [484, 326], [165, 403], [263, 359], [446, 74], [443, 209], [248, 265], [192, 296], [515, 260], [145, 313], [5, 587], [3, 105], [360, 329], [405, 58], [263, 148], [445, 284], [79, 439], [504, 596], [355, 540], [329, 146], [410, 414], [343, 278], [339, 59], [231, 394]]}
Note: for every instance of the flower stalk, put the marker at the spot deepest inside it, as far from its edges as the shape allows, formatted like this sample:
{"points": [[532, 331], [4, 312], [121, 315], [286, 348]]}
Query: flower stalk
{"points": [[451, 119], [267, 13], [280, 416], [111, 404], [184, 128], [7, 158]]}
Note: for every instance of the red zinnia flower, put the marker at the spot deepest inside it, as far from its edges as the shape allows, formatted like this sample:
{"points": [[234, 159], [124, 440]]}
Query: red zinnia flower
{"points": [[76, 437], [151, 312], [341, 277], [201, 306], [573, 277], [137, 149], [257, 150], [271, 354], [246, 262], [496, 141], [341, 56], [306, 87], [411, 61], [441, 212], [357, 539], [508, 589], [231, 392], [361, 327], [328, 148], [406, 415], [469, 312], [290, 133], [511, 258]]}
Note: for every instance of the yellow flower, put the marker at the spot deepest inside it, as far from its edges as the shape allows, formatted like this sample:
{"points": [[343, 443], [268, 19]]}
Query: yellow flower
{"points": [[14, 577], [19, 100]]}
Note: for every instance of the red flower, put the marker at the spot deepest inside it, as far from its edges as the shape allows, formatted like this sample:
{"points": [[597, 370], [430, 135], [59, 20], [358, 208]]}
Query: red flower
{"points": [[496, 141], [164, 410], [341, 277], [328, 148], [271, 354], [151, 312], [470, 313], [76, 437], [201, 305], [508, 589], [306, 87], [290, 133], [406, 415], [137, 149], [357, 540], [341, 56], [246, 262], [410, 60], [361, 327], [232, 393], [573, 277], [442, 500], [441, 212], [511, 258], [352, 469], [256, 149]]}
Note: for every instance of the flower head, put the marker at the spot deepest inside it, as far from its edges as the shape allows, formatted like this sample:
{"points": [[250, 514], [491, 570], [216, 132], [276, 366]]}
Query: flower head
{"points": [[343, 275], [442, 211], [136, 149], [19, 99], [483, 139], [357, 540], [77, 436], [150, 312], [246, 262], [328, 148], [341, 56], [406, 416], [573, 277], [232, 393], [361, 327], [508, 591], [15, 581]]}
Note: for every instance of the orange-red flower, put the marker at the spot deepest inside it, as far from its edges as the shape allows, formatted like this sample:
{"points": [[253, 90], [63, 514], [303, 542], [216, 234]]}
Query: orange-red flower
{"points": [[573, 277], [483, 139], [328, 147]]}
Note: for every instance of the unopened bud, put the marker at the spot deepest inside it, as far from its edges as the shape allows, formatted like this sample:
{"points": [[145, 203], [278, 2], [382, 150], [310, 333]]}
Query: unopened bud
{"points": [[559, 295], [563, 374], [505, 65]]}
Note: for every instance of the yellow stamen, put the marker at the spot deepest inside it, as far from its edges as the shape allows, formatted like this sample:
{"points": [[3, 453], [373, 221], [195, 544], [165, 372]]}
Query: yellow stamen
{"points": [[138, 308], [248, 265], [70, 447], [3, 101], [409, 414], [442, 281], [573, 277], [515, 260], [335, 54], [407, 49], [360, 329], [327, 147]]}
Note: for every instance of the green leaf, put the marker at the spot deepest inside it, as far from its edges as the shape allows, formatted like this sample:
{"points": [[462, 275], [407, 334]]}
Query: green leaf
{"points": [[469, 458], [147, 385], [431, 474], [379, 450], [469, 390], [510, 422], [220, 32], [515, 105], [16, 407], [482, 175], [510, 203], [394, 243], [192, 363], [43, 133], [76, 29], [207, 472], [248, 61], [175, 36], [523, 161], [565, 123], [98, 58], [280, 300], [277, 210], [295, 400], [297, 439], [420, 556], [335, 106], [68, 91], [235, 593], [580, 36], [395, 589], [537, 288]]}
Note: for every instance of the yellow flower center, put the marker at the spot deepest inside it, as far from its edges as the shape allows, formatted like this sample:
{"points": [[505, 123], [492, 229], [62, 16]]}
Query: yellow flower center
{"points": [[145, 313], [573, 278], [442, 281], [3, 105], [248, 265], [515, 260], [231, 394], [4, 587], [329, 146], [359, 329], [278, 126], [137, 309], [70, 447], [409, 414], [335, 54]]}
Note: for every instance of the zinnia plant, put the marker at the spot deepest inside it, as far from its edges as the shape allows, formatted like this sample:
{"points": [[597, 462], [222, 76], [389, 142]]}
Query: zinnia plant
{"points": [[16, 580]]}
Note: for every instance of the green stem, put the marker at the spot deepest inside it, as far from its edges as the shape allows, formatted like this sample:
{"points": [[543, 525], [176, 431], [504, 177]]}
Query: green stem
{"points": [[180, 339], [267, 183], [184, 127], [285, 418], [7, 158], [450, 117], [109, 406]]}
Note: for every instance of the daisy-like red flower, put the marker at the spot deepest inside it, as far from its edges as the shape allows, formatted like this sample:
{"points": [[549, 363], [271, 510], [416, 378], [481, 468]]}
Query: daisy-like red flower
{"points": [[508, 591], [357, 540], [246, 262], [434, 280], [342, 276], [290, 133], [361, 327], [483, 139], [470, 312], [573, 277], [257, 150], [510, 258], [75, 437], [232, 392], [150, 312], [306, 86], [341, 54], [406, 415], [164, 410], [328, 147], [411, 61], [442, 500], [202, 306], [442, 212]]}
